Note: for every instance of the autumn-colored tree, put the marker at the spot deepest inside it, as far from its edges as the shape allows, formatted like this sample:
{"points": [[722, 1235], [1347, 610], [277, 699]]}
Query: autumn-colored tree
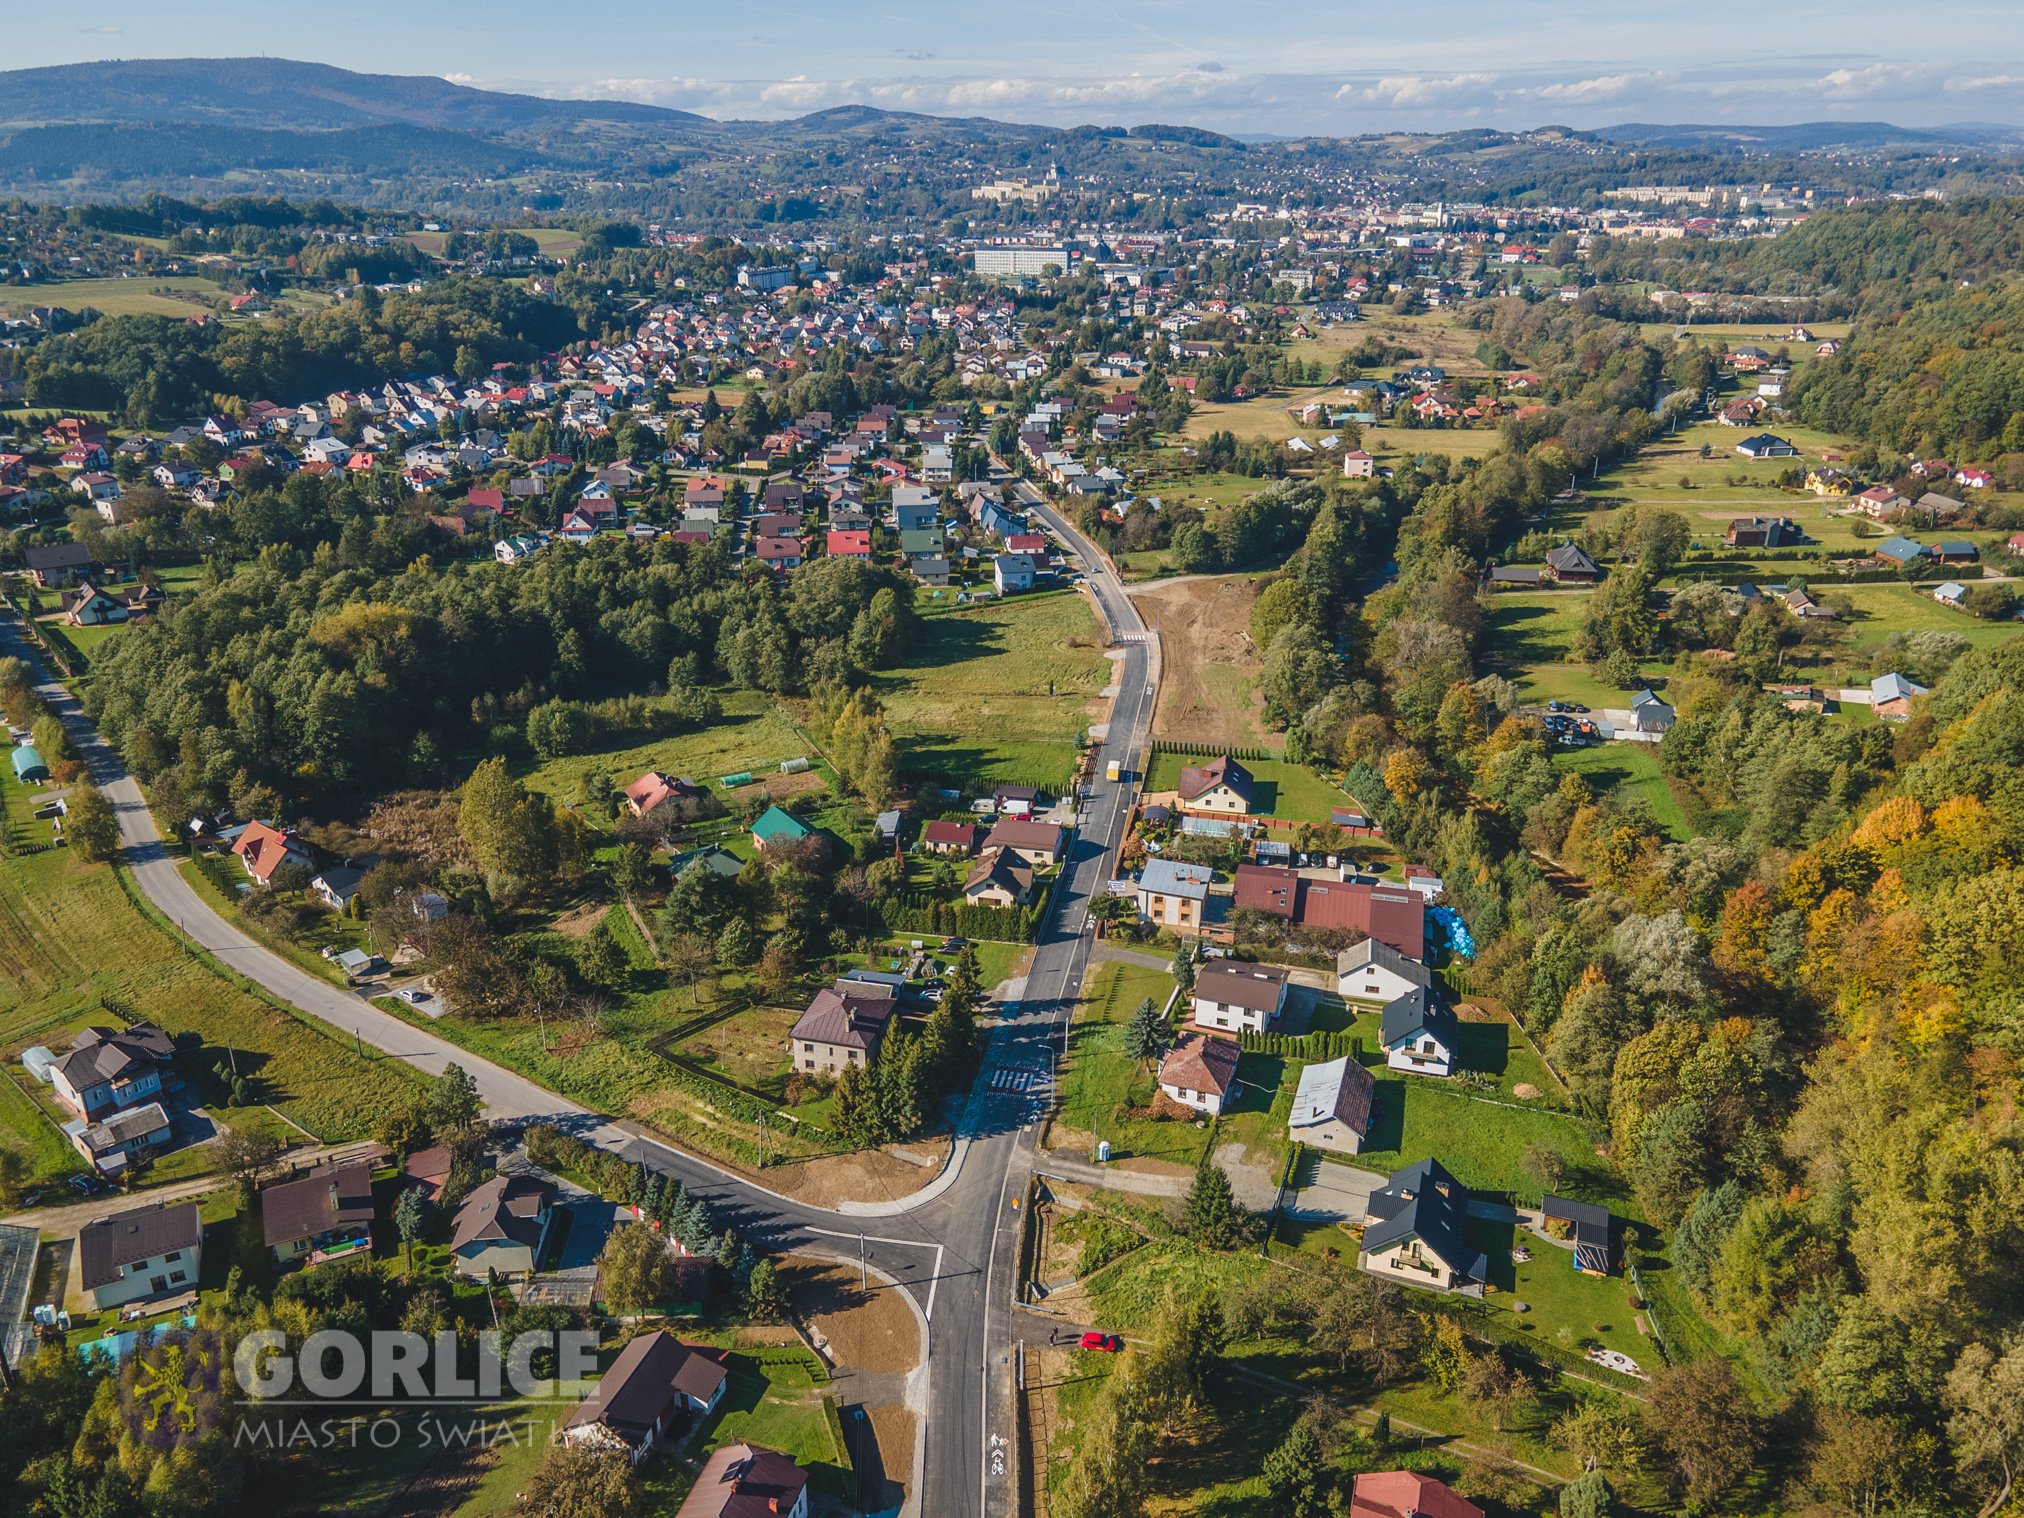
{"points": [[1404, 773], [1740, 947]]}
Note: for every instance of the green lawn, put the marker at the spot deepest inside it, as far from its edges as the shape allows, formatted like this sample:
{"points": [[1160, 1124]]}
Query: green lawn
{"points": [[777, 1406], [138, 296], [1566, 1308], [1535, 627], [1884, 609], [1632, 768], [1495, 1049], [754, 735], [1288, 792], [70, 934], [998, 692]]}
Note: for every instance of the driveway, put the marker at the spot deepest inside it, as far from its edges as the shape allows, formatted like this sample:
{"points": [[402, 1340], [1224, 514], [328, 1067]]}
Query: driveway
{"points": [[1328, 1192]]}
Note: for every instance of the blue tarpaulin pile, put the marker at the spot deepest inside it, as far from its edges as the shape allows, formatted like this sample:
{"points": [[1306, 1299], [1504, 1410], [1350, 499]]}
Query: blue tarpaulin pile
{"points": [[1448, 925]]}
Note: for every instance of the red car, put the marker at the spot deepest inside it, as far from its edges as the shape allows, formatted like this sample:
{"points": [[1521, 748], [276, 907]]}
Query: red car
{"points": [[1104, 1344]]}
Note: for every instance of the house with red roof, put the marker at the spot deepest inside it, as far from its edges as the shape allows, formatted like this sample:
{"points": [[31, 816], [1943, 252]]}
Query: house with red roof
{"points": [[1407, 1494], [1199, 1072], [265, 849], [849, 545]]}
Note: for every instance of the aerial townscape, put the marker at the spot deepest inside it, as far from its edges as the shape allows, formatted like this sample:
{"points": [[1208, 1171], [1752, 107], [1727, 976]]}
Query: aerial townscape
{"points": [[882, 812]]}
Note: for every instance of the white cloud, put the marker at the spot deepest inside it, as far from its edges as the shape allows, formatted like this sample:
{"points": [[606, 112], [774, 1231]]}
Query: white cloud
{"points": [[1855, 84], [1606, 87], [1989, 82], [1416, 92]]}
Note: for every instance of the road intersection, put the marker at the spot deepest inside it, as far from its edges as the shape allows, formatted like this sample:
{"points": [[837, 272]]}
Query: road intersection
{"points": [[953, 1246]]}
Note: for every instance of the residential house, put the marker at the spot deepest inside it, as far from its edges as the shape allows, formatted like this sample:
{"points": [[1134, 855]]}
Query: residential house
{"points": [[322, 1215], [1040, 844], [849, 545], [64, 561], [933, 570], [1222, 787], [109, 1070], [1013, 571], [1199, 1072], [1649, 713], [177, 476], [1975, 479], [1332, 1106], [1943, 508], [88, 606], [427, 1171], [503, 1225], [1235, 996], [148, 1252], [998, 879], [654, 1386], [780, 553], [1359, 465], [1266, 888], [1953, 594], [1896, 553], [1880, 502], [577, 527], [1568, 565], [652, 788], [949, 838], [1419, 1033], [264, 849], [778, 826], [1393, 915], [122, 1138], [1765, 446], [1374, 971], [842, 1026], [336, 886], [1406, 1494], [1891, 696], [1955, 551], [1174, 895], [1763, 532], [1413, 1230], [1589, 1224], [921, 543], [747, 1481], [512, 550]]}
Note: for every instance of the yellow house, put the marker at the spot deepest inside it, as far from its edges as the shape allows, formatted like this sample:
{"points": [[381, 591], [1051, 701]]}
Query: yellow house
{"points": [[1222, 787]]}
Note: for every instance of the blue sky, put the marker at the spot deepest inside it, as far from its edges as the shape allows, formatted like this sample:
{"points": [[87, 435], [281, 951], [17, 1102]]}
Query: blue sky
{"points": [[1233, 65]]}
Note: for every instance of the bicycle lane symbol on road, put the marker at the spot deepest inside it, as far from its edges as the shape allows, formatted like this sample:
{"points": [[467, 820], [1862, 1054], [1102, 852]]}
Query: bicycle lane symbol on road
{"points": [[998, 1446]]}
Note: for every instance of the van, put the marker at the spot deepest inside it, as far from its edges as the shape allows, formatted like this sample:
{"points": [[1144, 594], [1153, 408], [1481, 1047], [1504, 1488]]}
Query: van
{"points": [[1112, 771]]}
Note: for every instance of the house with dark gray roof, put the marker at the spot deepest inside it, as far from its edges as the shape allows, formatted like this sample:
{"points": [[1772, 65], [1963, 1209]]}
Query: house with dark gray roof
{"points": [[109, 1070], [1374, 971], [503, 1225], [1412, 1231], [1419, 1033], [151, 1251], [1332, 1105], [1567, 564], [654, 1386]]}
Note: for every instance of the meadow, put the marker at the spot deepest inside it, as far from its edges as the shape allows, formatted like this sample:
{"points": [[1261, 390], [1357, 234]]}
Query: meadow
{"points": [[140, 295], [1286, 792]]}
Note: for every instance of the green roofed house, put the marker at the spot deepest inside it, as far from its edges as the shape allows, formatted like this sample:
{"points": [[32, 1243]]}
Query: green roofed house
{"points": [[778, 826], [29, 763]]}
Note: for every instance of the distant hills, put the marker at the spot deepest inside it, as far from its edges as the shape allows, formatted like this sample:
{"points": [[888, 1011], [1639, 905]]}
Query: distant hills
{"points": [[1806, 137], [282, 93]]}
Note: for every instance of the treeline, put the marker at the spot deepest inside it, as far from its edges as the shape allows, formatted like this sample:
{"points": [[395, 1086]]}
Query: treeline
{"points": [[314, 676], [154, 369], [198, 150]]}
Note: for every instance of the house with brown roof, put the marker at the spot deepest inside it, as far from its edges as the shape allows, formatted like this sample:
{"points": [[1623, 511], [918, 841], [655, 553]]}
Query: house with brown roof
{"points": [[841, 1027], [998, 879], [503, 1225], [1406, 1494], [1266, 888], [655, 1386], [1393, 915], [747, 1481], [144, 1253], [320, 1216], [427, 1171], [1221, 787], [1332, 1105], [1200, 1072], [949, 838], [1040, 844], [1233, 996]]}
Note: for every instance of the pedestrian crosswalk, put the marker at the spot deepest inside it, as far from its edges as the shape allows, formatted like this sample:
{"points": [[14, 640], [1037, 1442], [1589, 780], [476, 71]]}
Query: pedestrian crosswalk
{"points": [[1015, 1078]]}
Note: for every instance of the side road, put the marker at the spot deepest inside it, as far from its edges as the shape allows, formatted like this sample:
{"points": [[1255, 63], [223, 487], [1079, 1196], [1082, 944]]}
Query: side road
{"points": [[507, 1096]]}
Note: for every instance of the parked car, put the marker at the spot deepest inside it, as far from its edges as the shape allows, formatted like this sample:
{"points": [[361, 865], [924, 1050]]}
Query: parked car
{"points": [[414, 996], [955, 945], [1556, 706], [83, 1185], [933, 993], [1574, 706], [1103, 1344]]}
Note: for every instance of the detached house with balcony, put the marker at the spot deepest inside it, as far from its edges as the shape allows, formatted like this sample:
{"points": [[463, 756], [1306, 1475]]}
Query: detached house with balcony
{"points": [[1412, 1231], [109, 1071], [1233, 997], [324, 1215], [503, 1226]]}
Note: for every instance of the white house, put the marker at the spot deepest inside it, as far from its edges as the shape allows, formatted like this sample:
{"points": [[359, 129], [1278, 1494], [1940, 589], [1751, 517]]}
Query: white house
{"points": [[1374, 971], [144, 1253], [1419, 1033], [1951, 594], [1200, 1072], [513, 550], [655, 1381], [1233, 996], [1332, 1105]]}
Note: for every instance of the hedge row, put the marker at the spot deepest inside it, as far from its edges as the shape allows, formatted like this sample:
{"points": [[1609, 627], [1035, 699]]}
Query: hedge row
{"points": [[961, 920], [1209, 751], [1314, 1048]]}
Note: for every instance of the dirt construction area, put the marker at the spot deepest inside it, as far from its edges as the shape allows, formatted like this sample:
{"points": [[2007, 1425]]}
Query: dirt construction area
{"points": [[867, 1175], [873, 1340], [1209, 686]]}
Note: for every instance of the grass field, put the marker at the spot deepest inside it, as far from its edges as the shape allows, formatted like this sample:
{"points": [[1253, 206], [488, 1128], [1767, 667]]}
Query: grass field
{"points": [[753, 734], [69, 935], [779, 1407], [1290, 792], [1885, 609], [1495, 1049], [552, 241], [1633, 769], [138, 296], [973, 704]]}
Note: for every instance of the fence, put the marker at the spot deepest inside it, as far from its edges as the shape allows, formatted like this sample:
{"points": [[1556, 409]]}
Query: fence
{"points": [[1651, 1313]]}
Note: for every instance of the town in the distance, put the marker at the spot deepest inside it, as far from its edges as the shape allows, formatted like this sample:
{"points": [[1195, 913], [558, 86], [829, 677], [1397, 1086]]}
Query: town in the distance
{"points": [[902, 815]]}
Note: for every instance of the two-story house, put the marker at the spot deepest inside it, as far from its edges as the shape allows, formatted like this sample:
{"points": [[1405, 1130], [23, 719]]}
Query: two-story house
{"points": [[110, 1070], [842, 1026], [144, 1253], [503, 1225], [654, 1387], [1412, 1231], [1221, 787], [1232, 997], [1419, 1033], [324, 1215], [1173, 895]]}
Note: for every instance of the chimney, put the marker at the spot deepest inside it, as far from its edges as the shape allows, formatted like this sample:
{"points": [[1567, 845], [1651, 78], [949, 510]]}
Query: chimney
{"points": [[333, 1196]]}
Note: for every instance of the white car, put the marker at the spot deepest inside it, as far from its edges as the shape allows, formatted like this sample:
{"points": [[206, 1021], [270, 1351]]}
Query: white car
{"points": [[414, 996]]}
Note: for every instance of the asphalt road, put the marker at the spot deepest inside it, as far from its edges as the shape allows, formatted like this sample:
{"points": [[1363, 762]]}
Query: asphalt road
{"points": [[952, 1246]]}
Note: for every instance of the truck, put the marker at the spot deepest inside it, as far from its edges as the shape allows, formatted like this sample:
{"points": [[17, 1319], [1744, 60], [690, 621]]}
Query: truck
{"points": [[1112, 771]]}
